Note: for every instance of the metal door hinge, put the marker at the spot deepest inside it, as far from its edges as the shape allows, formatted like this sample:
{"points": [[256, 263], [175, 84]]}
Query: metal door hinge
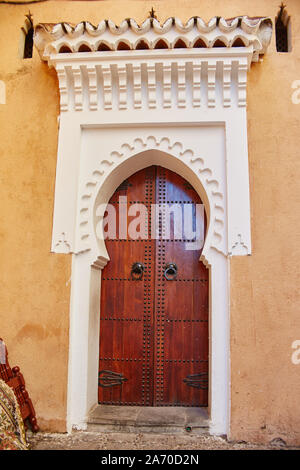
{"points": [[108, 378], [199, 381]]}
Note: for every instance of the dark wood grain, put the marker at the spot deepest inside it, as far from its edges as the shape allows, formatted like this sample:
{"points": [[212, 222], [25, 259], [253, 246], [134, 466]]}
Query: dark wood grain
{"points": [[153, 331]]}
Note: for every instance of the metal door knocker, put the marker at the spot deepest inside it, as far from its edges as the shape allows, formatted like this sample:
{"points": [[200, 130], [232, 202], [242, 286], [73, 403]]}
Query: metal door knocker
{"points": [[137, 271], [170, 272]]}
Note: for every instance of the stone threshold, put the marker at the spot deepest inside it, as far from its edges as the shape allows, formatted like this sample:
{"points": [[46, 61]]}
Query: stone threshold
{"points": [[143, 419]]}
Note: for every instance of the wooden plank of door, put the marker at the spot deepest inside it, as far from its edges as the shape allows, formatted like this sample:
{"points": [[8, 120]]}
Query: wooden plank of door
{"points": [[126, 310], [181, 309]]}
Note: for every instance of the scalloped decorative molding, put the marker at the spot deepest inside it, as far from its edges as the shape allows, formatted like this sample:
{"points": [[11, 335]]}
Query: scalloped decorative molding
{"points": [[109, 64], [216, 236], [242, 30]]}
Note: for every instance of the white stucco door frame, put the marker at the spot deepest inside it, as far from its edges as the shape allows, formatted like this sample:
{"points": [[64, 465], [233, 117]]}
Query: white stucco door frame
{"points": [[121, 111]]}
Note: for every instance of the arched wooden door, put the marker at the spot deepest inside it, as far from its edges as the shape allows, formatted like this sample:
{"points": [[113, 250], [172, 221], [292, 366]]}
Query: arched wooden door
{"points": [[154, 320]]}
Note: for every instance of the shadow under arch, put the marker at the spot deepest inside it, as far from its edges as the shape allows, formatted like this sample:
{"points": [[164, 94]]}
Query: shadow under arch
{"points": [[131, 165]]}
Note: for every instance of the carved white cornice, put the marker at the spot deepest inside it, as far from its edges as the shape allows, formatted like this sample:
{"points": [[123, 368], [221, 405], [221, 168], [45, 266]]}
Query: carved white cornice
{"points": [[185, 90], [181, 65], [153, 79], [195, 33]]}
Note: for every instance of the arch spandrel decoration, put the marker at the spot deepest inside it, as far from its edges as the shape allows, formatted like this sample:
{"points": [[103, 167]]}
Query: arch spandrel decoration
{"points": [[126, 104]]}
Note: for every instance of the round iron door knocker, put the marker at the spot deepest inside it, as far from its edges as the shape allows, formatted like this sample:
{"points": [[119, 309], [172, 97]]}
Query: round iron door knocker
{"points": [[137, 271], [170, 272]]}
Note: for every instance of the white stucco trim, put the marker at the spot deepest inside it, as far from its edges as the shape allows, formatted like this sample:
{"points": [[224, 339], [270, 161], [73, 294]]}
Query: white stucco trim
{"points": [[241, 30], [184, 109], [87, 264], [203, 164]]}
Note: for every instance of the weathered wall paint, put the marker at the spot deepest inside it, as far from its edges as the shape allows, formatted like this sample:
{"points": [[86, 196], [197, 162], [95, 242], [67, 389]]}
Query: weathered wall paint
{"points": [[34, 299], [265, 317]]}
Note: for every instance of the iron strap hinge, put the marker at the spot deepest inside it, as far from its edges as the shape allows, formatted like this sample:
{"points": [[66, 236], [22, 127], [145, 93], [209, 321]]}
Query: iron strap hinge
{"points": [[199, 381], [108, 378]]}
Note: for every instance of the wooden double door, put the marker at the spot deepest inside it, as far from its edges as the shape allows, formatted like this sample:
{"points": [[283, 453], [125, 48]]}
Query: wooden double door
{"points": [[154, 300]]}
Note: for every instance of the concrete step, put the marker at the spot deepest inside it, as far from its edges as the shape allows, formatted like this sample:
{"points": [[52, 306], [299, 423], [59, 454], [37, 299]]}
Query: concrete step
{"points": [[142, 419]]}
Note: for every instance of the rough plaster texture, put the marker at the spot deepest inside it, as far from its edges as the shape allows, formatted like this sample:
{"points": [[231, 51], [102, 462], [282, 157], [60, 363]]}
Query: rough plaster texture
{"points": [[265, 287], [34, 299]]}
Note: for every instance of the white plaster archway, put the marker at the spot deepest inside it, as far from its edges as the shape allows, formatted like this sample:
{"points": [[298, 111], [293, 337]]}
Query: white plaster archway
{"points": [[132, 157], [87, 265]]}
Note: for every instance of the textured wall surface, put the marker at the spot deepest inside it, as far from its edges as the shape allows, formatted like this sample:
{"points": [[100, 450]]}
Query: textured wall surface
{"points": [[34, 292]]}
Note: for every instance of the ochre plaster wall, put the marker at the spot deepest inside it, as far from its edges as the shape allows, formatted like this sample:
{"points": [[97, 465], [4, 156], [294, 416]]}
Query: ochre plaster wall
{"points": [[35, 287], [265, 320]]}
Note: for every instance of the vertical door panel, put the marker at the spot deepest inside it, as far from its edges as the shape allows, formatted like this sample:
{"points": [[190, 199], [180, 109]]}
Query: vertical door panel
{"points": [[181, 308], [126, 311]]}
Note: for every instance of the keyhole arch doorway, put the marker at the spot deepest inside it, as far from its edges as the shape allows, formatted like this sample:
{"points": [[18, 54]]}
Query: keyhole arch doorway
{"points": [[184, 164], [154, 295], [92, 258]]}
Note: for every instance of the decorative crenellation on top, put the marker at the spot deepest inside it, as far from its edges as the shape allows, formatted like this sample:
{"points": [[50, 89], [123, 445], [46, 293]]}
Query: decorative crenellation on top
{"points": [[153, 81], [151, 34], [153, 65]]}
